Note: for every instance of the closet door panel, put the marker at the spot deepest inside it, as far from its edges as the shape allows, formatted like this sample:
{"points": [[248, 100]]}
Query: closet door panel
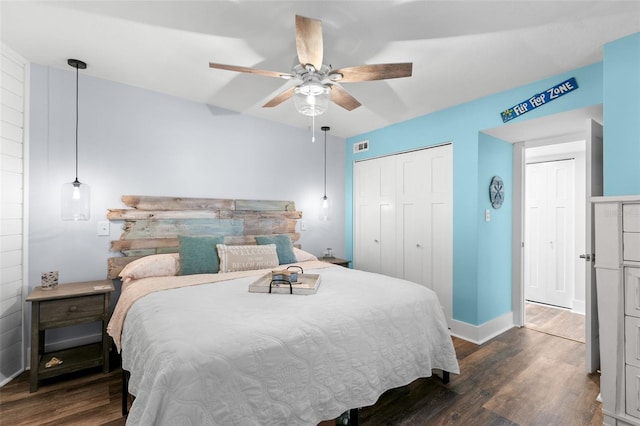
{"points": [[367, 242], [403, 218], [438, 247], [412, 235], [413, 242]]}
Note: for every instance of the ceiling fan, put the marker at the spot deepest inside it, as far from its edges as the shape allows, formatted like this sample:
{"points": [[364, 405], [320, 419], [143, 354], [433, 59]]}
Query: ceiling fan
{"points": [[317, 80]]}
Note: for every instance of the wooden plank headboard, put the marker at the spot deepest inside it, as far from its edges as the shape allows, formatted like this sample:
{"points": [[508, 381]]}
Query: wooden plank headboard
{"points": [[152, 224]]}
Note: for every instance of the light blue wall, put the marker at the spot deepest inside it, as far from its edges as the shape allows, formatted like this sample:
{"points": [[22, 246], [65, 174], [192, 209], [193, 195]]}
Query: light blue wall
{"points": [[494, 237], [461, 125], [622, 116]]}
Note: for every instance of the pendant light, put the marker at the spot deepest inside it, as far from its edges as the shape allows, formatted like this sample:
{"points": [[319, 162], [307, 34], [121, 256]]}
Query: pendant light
{"points": [[75, 195], [324, 215]]}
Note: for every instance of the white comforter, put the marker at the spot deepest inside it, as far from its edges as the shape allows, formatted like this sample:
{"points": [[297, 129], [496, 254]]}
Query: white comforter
{"points": [[216, 354]]}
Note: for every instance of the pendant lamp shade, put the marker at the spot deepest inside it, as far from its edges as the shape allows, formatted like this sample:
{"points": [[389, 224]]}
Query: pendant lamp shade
{"points": [[76, 195], [75, 201]]}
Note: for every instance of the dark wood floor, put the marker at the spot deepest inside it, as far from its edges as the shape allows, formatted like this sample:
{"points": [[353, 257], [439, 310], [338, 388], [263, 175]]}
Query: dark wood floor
{"points": [[522, 377]]}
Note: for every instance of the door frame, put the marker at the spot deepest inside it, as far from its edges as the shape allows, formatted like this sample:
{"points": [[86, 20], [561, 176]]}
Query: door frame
{"points": [[519, 164]]}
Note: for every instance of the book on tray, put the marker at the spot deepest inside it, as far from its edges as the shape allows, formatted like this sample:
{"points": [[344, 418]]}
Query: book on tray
{"points": [[305, 284]]}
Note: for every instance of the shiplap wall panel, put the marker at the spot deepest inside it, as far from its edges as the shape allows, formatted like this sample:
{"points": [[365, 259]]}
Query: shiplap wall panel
{"points": [[13, 70]]}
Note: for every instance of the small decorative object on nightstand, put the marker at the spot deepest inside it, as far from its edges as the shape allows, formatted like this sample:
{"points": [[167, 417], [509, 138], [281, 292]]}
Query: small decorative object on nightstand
{"points": [[65, 305], [336, 261]]}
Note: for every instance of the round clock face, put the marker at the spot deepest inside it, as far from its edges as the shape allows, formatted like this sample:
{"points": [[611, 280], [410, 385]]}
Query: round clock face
{"points": [[496, 192]]}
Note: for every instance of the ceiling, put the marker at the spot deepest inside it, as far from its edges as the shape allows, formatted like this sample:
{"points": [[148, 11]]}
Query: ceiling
{"points": [[461, 50]]}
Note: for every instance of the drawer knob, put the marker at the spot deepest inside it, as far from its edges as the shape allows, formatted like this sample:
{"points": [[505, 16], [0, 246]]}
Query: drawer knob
{"points": [[73, 308]]}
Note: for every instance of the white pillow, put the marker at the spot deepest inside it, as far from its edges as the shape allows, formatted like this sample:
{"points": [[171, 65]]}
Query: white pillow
{"points": [[247, 258], [303, 256], [156, 265]]}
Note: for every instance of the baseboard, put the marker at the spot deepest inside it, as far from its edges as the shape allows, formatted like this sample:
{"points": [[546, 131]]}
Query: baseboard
{"points": [[11, 377], [578, 306], [479, 334]]}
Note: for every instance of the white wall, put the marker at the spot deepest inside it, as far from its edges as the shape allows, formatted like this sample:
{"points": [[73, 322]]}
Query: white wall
{"points": [[13, 248], [134, 141]]}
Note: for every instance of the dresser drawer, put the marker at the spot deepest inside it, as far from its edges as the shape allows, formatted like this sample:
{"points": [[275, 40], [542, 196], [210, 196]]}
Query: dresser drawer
{"points": [[607, 235], [631, 246], [631, 217], [63, 312], [632, 341], [632, 383], [632, 291]]}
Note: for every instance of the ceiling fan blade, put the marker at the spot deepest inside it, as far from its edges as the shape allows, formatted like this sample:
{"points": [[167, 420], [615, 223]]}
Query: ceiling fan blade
{"points": [[373, 72], [284, 75], [309, 41], [343, 98], [283, 96]]}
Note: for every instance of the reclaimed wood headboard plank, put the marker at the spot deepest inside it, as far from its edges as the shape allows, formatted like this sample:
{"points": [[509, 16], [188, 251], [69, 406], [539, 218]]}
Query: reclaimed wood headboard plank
{"points": [[135, 214], [152, 224]]}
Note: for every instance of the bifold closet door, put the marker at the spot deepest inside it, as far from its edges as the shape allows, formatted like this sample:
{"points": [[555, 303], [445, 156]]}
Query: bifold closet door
{"points": [[374, 216], [403, 218]]}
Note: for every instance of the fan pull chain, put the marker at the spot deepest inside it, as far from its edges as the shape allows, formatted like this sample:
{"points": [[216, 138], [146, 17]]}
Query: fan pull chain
{"points": [[313, 128]]}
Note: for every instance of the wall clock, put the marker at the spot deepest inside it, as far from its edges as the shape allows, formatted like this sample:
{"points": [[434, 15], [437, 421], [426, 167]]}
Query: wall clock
{"points": [[496, 192]]}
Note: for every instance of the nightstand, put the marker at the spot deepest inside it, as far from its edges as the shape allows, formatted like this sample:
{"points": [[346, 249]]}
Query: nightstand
{"points": [[335, 261], [65, 305]]}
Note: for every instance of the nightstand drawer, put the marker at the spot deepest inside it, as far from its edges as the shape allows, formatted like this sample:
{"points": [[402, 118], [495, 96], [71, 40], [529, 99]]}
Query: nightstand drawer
{"points": [[63, 312]]}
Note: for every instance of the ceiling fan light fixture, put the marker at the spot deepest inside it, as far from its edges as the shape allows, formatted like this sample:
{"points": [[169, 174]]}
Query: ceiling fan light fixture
{"points": [[311, 98]]}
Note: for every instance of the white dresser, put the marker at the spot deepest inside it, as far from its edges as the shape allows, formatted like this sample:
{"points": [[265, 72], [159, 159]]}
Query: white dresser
{"points": [[617, 263]]}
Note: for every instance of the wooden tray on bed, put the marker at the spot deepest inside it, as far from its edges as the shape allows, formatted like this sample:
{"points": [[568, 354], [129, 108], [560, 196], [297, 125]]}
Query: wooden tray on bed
{"points": [[306, 284]]}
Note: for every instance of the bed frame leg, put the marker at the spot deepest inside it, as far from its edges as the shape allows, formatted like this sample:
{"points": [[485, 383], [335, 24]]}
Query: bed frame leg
{"points": [[445, 377], [125, 393], [353, 417]]}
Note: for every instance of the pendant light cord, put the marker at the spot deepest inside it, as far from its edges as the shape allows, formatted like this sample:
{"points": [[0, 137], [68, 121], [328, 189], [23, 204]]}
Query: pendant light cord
{"points": [[324, 129], [76, 124], [325, 164]]}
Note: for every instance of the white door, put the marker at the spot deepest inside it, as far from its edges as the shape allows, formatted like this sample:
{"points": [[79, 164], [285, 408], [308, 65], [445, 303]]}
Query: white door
{"points": [[374, 216], [403, 224], [594, 188], [425, 222], [549, 232]]}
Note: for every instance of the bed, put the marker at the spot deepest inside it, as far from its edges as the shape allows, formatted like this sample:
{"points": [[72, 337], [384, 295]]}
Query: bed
{"points": [[201, 349]]}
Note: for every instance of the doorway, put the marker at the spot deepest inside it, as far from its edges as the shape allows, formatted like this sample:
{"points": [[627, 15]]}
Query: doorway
{"points": [[554, 237], [569, 126], [554, 222]]}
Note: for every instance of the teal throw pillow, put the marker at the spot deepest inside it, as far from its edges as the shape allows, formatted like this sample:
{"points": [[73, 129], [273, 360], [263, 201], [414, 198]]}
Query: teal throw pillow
{"points": [[199, 255], [284, 247]]}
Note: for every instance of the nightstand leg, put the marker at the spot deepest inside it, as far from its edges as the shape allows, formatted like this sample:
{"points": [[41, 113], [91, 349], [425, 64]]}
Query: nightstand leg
{"points": [[36, 346], [106, 339]]}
